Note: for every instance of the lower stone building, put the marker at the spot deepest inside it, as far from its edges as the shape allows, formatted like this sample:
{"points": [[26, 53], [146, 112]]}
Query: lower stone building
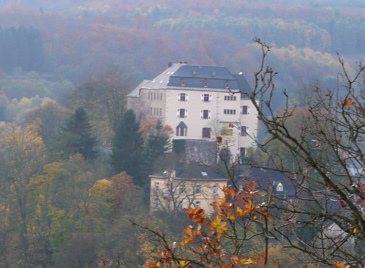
{"points": [[188, 185]]}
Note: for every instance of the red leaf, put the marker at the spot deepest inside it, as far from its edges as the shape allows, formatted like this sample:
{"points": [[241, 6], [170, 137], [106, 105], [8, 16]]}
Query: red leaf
{"points": [[252, 185], [219, 140]]}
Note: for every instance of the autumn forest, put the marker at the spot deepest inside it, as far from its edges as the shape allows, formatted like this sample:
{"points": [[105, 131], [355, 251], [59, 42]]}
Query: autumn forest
{"points": [[68, 195]]}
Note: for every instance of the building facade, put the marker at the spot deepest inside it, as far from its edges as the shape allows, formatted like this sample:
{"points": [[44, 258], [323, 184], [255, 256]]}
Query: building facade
{"points": [[193, 186], [199, 102]]}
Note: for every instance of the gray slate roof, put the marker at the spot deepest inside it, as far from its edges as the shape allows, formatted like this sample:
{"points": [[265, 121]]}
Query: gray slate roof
{"points": [[193, 171], [196, 171], [196, 77], [135, 92]]}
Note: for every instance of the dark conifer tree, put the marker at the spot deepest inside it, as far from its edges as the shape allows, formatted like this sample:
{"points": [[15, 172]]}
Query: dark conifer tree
{"points": [[156, 145], [78, 135], [127, 148]]}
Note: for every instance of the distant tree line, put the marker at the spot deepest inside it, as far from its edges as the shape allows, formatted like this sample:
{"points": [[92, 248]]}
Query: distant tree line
{"points": [[21, 48]]}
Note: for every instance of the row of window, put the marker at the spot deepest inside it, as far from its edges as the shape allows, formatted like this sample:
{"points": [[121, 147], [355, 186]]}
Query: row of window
{"points": [[155, 111], [204, 97], [206, 132], [229, 111], [206, 114], [230, 98], [205, 83], [185, 97], [154, 96], [197, 204], [197, 189]]}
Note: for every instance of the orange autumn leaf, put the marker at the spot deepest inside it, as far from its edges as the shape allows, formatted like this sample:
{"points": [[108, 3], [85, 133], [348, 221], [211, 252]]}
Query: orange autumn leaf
{"points": [[219, 140], [230, 192], [339, 265], [196, 215], [348, 102], [188, 231]]}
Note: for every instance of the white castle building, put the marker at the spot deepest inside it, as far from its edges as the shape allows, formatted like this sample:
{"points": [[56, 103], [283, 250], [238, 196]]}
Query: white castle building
{"points": [[199, 102]]}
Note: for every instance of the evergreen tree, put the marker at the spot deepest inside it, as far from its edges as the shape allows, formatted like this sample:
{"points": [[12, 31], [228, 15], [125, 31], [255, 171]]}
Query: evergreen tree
{"points": [[156, 145], [127, 148], [78, 135]]}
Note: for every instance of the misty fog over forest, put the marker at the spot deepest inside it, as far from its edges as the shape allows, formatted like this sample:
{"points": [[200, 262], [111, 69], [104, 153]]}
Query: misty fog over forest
{"points": [[63, 62]]}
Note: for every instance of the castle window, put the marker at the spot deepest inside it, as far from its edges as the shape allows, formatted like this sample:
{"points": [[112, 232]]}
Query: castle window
{"points": [[206, 98], [206, 132], [155, 202], [182, 189], [182, 97], [229, 111], [230, 98], [182, 113], [244, 131], [205, 114], [215, 190], [181, 129], [245, 109]]}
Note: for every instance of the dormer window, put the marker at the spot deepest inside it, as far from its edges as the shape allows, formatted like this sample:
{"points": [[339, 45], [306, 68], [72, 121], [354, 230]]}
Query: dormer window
{"points": [[227, 85], [194, 72], [279, 187], [213, 73], [183, 83], [205, 83]]}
